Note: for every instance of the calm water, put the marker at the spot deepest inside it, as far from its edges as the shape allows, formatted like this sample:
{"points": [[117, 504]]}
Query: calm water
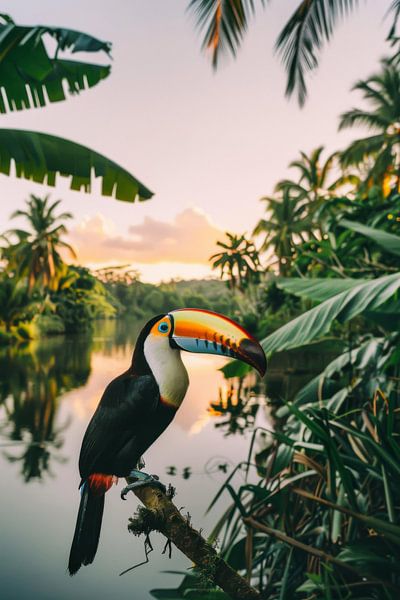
{"points": [[48, 392]]}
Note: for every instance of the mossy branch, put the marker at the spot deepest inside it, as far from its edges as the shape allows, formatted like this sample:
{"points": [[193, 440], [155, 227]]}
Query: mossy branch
{"points": [[168, 520]]}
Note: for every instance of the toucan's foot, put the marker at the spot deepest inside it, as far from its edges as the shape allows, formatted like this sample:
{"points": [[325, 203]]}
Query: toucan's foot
{"points": [[142, 480]]}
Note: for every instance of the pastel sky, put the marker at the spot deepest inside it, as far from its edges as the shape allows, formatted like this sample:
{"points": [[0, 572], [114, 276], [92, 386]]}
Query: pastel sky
{"points": [[208, 144]]}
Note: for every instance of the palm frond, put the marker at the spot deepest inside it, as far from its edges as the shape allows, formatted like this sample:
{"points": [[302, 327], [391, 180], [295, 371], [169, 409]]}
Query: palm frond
{"points": [[356, 116], [311, 24], [358, 150], [343, 180], [69, 248], [224, 23], [395, 7], [291, 186], [303, 168], [374, 90]]}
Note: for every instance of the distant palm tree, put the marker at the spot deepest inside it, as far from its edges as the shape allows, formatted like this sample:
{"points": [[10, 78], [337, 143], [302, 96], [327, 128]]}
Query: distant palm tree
{"points": [[378, 153], [314, 176], [239, 259], [36, 253], [317, 182], [225, 22], [287, 223]]}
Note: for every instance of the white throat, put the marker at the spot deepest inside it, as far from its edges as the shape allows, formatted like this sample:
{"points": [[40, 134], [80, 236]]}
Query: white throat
{"points": [[168, 369]]}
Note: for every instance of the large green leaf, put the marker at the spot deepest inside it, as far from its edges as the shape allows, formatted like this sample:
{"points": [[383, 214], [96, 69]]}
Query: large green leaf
{"points": [[388, 241], [235, 368], [314, 323], [316, 289], [359, 358], [30, 77], [40, 157]]}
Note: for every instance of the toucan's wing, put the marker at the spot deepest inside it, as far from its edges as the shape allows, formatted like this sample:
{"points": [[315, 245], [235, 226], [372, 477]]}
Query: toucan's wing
{"points": [[117, 420]]}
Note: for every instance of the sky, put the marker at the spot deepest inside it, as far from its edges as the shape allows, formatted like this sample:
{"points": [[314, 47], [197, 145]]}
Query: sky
{"points": [[209, 145]]}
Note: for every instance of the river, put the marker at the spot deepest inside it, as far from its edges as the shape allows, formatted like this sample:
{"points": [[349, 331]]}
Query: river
{"points": [[48, 392]]}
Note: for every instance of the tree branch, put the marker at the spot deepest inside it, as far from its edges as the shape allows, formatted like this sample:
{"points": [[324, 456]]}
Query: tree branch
{"points": [[169, 521]]}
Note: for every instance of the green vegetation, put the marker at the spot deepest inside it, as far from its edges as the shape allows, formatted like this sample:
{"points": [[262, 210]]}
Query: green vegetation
{"points": [[33, 378], [36, 253], [318, 512], [37, 286], [26, 66], [43, 295], [315, 510], [239, 260], [224, 23]]}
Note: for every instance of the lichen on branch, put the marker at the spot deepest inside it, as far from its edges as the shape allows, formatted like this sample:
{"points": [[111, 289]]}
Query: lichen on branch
{"points": [[160, 514]]}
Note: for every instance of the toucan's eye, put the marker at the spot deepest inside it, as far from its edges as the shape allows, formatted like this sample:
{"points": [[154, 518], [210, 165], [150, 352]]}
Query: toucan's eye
{"points": [[163, 327]]}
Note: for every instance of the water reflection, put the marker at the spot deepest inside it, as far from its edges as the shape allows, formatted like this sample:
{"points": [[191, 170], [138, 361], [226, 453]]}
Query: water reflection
{"points": [[48, 392], [238, 403], [115, 337], [32, 379]]}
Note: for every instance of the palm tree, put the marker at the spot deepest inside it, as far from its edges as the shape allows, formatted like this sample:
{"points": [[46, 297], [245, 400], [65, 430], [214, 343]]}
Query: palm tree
{"points": [[287, 223], [378, 153], [315, 183], [36, 253], [225, 22], [314, 175], [239, 259]]}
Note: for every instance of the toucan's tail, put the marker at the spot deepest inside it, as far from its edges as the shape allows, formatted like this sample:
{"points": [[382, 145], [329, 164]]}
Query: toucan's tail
{"points": [[87, 529]]}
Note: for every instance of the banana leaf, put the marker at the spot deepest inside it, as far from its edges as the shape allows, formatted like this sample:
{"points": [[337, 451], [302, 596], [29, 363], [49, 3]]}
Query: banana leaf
{"points": [[389, 242], [31, 78], [41, 157], [313, 324], [317, 289]]}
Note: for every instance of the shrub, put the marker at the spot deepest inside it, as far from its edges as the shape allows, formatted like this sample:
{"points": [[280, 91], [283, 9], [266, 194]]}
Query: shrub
{"points": [[5, 338], [49, 324], [26, 331]]}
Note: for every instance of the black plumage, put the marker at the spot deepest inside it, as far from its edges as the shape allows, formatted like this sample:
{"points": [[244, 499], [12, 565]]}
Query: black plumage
{"points": [[131, 414], [87, 530], [129, 418]]}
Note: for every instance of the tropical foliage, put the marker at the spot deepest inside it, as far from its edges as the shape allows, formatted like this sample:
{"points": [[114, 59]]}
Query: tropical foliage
{"points": [[39, 75], [35, 255], [287, 222], [316, 182], [378, 154], [32, 379], [225, 22], [317, 515], [238, 259], [28, 74], [38, 287], [314, 507], [41, 157]]}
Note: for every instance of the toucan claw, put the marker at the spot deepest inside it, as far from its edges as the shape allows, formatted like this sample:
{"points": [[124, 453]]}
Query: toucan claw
{"points": [[142, 480]]}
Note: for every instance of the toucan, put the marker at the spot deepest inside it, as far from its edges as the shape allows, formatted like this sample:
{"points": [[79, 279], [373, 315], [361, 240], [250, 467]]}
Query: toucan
{"points": [[137, 406]]}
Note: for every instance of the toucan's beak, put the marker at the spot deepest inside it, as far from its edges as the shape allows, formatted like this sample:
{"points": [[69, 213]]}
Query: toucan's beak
{"points": [[204, 331]]}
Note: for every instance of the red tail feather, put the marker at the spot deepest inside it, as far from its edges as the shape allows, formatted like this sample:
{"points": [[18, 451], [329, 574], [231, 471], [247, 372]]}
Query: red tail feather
{"points": [[100, 483]]}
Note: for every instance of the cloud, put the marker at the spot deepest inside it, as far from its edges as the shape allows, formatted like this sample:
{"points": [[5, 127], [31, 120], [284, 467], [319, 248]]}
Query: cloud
{"points": [[189, 239]]}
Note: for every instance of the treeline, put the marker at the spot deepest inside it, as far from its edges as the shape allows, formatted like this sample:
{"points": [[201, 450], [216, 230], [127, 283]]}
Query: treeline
{"points": [[40, 294]]}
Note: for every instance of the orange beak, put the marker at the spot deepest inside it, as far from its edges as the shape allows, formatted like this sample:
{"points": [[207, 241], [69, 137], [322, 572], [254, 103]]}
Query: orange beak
{"points": [[196, 330]]}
